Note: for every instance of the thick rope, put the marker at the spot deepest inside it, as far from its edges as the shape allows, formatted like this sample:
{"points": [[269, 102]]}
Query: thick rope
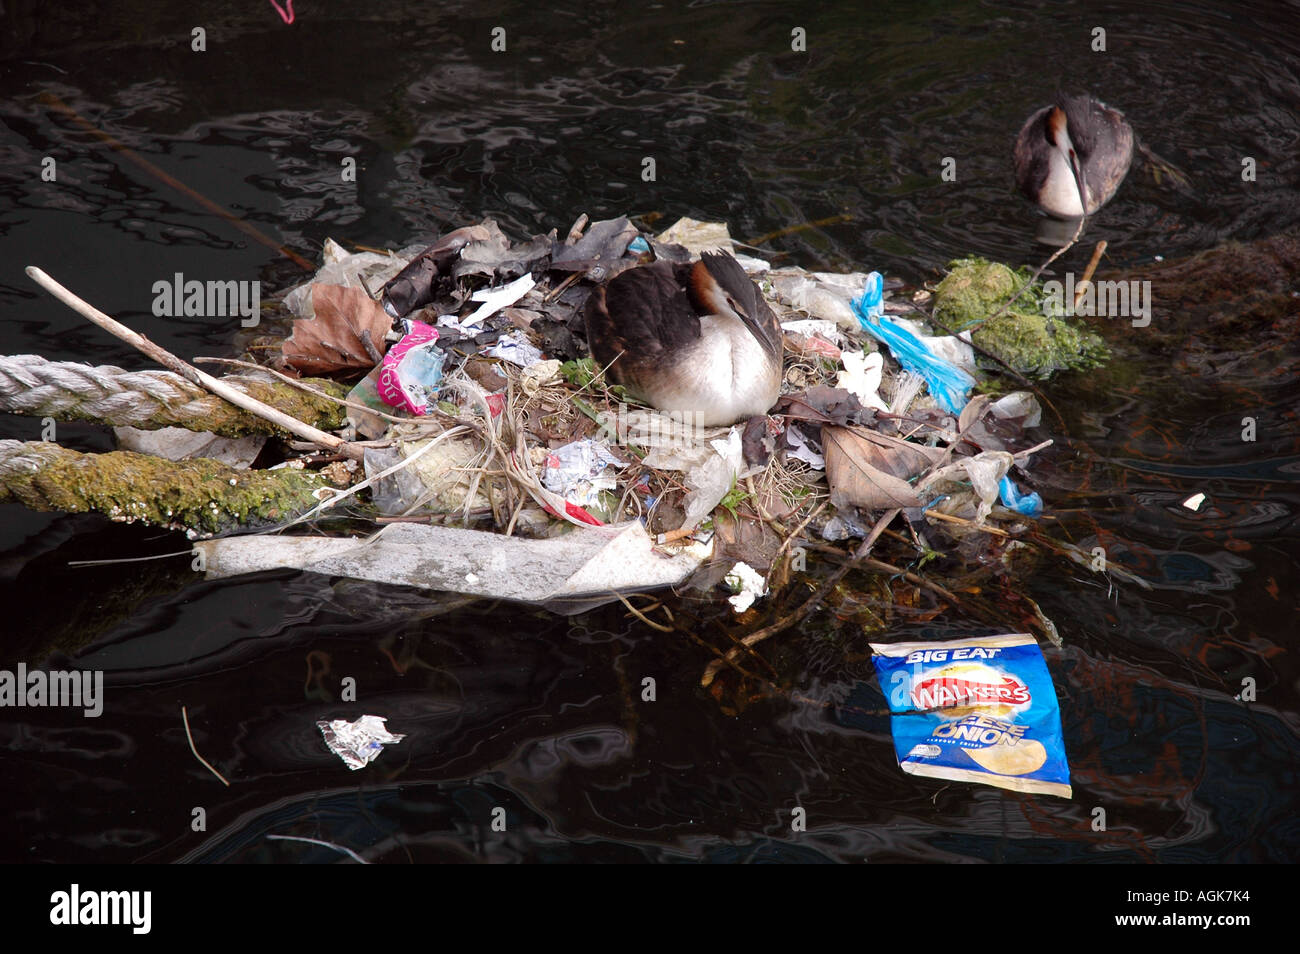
{"points": [[201, 495], [66, 390]]}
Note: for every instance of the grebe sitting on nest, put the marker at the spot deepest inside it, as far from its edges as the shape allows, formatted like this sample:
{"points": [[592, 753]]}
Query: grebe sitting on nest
{"points": [[1077, 148], [697, 339]]}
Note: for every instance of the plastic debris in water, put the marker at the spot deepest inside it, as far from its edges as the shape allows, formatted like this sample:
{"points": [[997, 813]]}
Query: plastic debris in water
{"points": [[749, 586], [949, 384], [976, 710], [411, 372], [1194, 501], [575, 471], [357, 743], [1029, 505]]}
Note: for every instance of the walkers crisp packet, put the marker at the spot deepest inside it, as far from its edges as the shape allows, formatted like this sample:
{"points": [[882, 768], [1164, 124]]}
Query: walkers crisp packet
{"points": [[977, 710]]}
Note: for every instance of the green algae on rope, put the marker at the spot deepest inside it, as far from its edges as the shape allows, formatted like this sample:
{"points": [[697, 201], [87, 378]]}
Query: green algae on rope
{"points": [[200, 495]]}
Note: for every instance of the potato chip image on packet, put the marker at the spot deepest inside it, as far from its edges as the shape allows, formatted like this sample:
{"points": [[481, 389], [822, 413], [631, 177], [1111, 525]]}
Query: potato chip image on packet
{"points": [[976, 710]]}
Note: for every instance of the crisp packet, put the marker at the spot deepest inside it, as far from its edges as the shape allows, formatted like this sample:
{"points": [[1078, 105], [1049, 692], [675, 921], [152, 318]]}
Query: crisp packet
{"points": [[976, 710], [411, 372]]}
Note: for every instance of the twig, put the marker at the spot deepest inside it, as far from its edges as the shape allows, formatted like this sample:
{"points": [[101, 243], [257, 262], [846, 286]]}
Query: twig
{"points": [[1087, 272], [1034, 277], [1019, 455], [761, 634], [575, 230], [949, 518], [795, 533], [641, 616], [188, 371], [817, 223], [911, 577], [315, 392], [562, 287], [206, 764]]}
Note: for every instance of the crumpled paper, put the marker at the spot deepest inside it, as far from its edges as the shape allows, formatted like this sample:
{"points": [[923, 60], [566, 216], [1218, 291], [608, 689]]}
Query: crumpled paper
{"points": [[358, 743], [711, 467], [515, 347], [575, 471]]}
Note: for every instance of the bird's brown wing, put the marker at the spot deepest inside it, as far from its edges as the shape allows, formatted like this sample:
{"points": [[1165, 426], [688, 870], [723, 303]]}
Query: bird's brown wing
{"points": [[638, 321], [745, 299], [1103, 139]]}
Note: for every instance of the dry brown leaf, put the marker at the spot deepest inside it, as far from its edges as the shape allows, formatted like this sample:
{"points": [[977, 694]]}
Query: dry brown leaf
{"points": [[870, 470], [332, 341], [972, 412]]}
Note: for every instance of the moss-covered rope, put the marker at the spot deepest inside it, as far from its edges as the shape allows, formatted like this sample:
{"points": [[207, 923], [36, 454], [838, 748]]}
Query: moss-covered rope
{"points": [[201, 495]]}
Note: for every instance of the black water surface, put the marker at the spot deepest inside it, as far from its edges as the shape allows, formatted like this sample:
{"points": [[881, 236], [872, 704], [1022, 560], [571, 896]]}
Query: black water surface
{"points": [[510, 708]]}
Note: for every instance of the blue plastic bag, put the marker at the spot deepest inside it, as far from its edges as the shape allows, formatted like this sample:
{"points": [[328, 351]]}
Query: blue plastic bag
{"points": [[949, 384], [1030, 504]]}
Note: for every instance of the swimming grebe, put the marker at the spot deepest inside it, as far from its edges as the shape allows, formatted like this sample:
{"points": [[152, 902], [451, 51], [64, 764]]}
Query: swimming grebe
{"points": [[690, 338], [1077, 147]]}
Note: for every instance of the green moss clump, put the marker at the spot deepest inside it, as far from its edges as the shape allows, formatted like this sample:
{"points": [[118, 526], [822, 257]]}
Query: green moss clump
{"points": [[973, 290], [1038, 345], [1024, 337]]}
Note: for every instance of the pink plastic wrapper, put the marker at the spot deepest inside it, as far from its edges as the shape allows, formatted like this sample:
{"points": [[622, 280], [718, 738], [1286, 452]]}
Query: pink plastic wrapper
{"points": [[412, 370]]}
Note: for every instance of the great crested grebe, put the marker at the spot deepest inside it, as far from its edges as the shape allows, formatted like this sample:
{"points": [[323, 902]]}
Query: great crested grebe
{"points": [[697, 339], [1072, 156]]}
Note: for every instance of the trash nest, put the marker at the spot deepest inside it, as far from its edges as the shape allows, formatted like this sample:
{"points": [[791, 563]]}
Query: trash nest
{"points": [[486, 414]]}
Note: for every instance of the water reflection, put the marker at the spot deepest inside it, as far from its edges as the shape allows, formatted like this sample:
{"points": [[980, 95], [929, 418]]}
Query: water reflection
{"points": [[545, 717]]}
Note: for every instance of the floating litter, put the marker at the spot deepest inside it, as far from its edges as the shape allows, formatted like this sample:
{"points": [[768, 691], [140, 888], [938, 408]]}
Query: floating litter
{"points": [[357, 743]]}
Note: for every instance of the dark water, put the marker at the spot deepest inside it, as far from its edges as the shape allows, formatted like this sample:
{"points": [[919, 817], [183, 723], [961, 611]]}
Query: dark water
{"points": [[506, 707]]}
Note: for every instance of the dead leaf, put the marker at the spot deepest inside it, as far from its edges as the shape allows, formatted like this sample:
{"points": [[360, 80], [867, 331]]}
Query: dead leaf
{"points": [[871, 470], [744, 538], [426, 275], [824, 404], [603, 244], [347, 332], [972, 412]]}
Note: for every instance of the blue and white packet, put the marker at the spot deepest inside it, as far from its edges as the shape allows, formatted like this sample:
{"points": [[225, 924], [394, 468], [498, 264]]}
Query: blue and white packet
{"points": [[976, 710]]}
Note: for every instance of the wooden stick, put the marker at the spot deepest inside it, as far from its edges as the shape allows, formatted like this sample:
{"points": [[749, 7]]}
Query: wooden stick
{"points": [[1034, 277], [789, 230], [206, 764], [303, 386], [1087, 272], [189, 372], [936, 515], [641, 616]]}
